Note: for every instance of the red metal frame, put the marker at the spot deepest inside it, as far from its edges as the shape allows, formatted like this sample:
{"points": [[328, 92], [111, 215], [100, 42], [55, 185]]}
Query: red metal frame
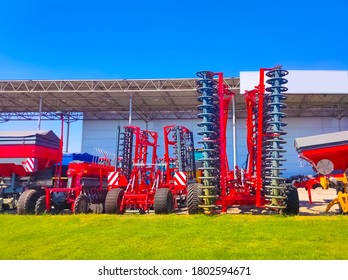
{"points": [[178, 189], [171, 170], [144, 180], [255, 99], [308, 184], [77, 171], [147, 177], [225, 96], [246, 188]]}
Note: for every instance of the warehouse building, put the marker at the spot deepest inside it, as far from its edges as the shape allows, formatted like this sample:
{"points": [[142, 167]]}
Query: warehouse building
{"points": [[316, 104]]}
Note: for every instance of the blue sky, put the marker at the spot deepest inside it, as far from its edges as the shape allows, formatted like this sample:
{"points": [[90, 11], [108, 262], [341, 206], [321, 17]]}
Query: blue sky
{"points": [[168, 39]]}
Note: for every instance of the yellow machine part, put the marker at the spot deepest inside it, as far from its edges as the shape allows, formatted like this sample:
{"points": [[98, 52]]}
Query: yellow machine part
{"points": [[325, 183], [342, 200], [342, 196]]}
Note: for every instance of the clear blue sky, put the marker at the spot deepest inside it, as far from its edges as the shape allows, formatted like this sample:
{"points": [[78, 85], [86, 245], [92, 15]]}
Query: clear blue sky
{"points": [[110, 39], [70, 39]]}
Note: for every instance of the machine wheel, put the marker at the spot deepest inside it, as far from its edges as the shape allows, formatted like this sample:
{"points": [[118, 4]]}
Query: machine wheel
{"points": [[81, 204], [40, 206], [163, 203], [193, 200], [113, 201], [292, 201], [27, 202]]}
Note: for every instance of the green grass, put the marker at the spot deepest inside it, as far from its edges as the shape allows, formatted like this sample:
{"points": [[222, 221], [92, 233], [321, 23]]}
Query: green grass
{"points": [[173, 237]]}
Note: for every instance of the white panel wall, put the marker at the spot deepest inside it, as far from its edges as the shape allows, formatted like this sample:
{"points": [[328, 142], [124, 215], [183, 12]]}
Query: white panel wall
{"points": [[102, 135], [303, 81]]}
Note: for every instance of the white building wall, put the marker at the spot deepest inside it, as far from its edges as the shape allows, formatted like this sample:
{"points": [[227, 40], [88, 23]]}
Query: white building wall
{"points": [[102, 135], [303, 81]]}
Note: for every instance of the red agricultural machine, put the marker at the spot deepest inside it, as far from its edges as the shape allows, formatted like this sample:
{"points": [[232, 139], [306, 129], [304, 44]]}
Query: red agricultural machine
{"points": [[26, 167], [179, 164], [31, 178], [328, 155], [86, 185], [144, 182], [260, 184]]}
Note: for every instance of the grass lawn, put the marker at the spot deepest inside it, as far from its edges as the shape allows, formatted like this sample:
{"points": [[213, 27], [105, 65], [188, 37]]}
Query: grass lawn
{"points": [[173, 237]]}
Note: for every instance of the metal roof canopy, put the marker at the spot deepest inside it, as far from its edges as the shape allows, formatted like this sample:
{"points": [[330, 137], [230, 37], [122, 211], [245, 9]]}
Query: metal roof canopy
{"points": [[151, 99]]}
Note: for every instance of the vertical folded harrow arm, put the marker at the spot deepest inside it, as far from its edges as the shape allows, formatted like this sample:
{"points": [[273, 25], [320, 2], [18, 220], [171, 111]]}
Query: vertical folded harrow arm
{"points": [[261, 183], [158, 184]]}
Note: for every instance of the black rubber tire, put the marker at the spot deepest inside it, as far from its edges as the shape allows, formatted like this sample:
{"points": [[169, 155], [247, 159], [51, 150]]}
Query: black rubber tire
{"points": [[27, 202], [163, 203], [113, 201], [40, 206], [193, 200], [81, 205], [292, 201]]}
